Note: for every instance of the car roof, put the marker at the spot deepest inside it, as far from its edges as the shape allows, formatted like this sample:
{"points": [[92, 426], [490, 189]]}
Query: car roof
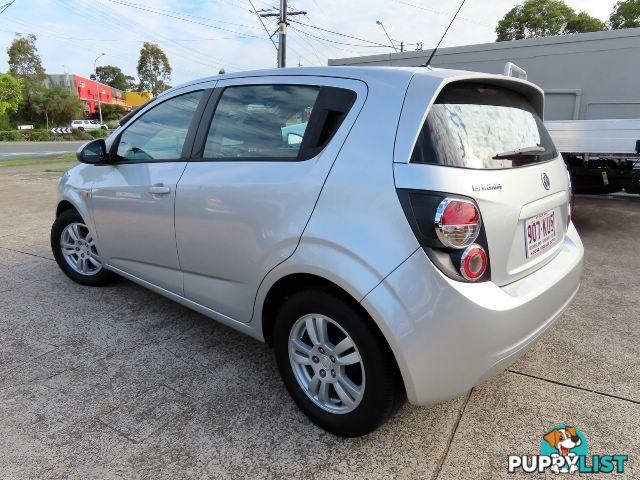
{"points": [[358, 73], [367, 74]]}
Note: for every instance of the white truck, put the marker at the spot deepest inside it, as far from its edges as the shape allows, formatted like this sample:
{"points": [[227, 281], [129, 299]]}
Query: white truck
{"points": [[603, 156]]}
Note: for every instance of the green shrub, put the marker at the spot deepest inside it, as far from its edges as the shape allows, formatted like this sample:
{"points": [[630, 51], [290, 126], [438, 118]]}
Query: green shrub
{"points": [[10, 136], [81, 135], [75, 135], [37, 135], [99, 133]]}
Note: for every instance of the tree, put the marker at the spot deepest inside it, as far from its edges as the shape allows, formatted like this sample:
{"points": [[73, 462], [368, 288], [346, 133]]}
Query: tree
{"points": [[25, 64], [10, 93], [583, 22], [154, 69], [626, 14], [58, 105], [543, 18], [114, 77], [222, 71], [112, 112]]}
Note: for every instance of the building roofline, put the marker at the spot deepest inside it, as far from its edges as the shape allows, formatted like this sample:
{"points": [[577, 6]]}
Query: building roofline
{"points": [[493, 46]]}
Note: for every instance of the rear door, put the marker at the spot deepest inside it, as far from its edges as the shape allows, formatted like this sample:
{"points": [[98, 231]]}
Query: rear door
{"points": [[257, 170], [488, 142]]}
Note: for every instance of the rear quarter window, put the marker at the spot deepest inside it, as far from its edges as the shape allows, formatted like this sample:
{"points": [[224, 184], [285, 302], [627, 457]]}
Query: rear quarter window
{"points": [[478, 126]]}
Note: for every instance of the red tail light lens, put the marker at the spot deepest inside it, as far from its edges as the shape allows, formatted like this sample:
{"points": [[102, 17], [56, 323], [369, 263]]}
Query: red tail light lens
{"points": [[457, 223], [473, 262]]}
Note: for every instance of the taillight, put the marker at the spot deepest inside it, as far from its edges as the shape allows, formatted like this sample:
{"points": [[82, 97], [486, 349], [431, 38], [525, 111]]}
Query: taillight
{"points": [[473, 262], [457, 222], [449, 229]]}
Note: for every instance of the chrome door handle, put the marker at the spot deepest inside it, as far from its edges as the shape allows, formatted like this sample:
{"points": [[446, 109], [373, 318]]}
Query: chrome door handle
{"points": [[159, 189]]}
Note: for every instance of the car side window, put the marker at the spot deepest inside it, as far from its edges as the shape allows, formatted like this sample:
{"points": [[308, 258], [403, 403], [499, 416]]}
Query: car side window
{"points": [[260, 122], [160, 133]]}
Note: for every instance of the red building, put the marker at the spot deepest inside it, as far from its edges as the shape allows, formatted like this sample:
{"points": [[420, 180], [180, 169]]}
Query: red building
{"points": [[88, 90]]}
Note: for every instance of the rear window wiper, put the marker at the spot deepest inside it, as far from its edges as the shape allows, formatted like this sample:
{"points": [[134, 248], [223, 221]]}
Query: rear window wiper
{"points": [[532, 151]]}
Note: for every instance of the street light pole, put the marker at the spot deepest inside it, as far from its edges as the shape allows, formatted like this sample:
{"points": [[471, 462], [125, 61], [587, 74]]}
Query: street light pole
{"points": [[385, 32], [95, 72]]}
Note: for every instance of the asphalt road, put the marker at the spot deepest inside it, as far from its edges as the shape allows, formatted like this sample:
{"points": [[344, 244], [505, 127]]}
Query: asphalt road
{"points": [[14, 150], [118, 382]]}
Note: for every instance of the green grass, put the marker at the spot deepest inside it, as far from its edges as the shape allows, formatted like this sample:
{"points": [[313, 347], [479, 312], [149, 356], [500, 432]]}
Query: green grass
{"points": [[22, 162]]}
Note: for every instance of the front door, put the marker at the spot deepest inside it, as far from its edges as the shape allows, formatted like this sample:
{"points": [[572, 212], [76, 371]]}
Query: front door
{"points": [[246, 196], [133, 198]]}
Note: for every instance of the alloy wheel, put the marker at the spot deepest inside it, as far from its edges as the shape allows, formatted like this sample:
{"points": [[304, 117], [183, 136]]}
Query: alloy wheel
{"points": [[79, 249], [326, 363]]}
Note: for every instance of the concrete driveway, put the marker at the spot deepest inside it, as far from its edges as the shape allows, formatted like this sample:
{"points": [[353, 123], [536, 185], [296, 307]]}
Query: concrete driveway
{"points": [[120, 383]]}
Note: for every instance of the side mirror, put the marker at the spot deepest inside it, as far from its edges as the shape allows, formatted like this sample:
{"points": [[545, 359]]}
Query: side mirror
{"points": [[94, 152], [294, 138]]}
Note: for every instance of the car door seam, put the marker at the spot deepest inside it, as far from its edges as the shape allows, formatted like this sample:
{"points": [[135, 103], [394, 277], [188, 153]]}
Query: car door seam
{"points": [[355, 120]]}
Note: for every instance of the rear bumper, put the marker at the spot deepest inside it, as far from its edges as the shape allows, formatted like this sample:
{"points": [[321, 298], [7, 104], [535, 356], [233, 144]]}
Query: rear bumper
{"points": [[447, 336]]}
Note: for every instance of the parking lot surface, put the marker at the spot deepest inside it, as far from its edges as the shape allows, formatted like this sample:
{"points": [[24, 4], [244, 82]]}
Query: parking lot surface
{"points": [[119, 382]]}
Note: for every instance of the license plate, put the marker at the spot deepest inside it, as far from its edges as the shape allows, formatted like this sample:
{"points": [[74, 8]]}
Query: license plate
{"points": [[540, 233]]}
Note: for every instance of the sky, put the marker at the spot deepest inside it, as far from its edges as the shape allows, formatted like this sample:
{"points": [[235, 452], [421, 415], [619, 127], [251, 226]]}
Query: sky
{"points": [[202, 36]]}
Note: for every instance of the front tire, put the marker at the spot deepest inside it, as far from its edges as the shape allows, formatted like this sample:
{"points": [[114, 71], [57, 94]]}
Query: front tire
{"points": [[336, 369], [75, 251]]}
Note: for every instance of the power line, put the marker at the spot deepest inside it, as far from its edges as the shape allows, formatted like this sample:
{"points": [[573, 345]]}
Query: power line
{"points": [[189, 53], [177, 17], [5, 6], [440, 12], [342, 34], [336, 42], [263, 25]]}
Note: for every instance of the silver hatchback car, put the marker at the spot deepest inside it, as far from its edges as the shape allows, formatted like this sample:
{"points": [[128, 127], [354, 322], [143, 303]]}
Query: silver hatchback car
{"points": [[393, 233]]}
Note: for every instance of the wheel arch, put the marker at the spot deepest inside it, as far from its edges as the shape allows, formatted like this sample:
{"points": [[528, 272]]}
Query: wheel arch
{"points": [[71, 199], [295, 282], [65, 205]]}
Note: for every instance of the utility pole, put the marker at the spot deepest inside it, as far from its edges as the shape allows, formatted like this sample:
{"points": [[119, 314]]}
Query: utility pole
{"points": [[282, 30], [95, 71]]}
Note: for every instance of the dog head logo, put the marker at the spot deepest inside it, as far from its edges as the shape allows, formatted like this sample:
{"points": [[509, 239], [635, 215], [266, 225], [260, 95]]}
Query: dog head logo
{"points": [[565, 441]]}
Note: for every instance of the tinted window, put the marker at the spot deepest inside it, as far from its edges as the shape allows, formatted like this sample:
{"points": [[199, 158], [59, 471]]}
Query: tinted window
{"points": [[261, 121], [476, 126], [160, 133]]}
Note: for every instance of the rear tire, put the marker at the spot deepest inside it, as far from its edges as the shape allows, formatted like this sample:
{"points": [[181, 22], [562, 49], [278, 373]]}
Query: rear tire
{"points": [[75, 251], [358, 397]]}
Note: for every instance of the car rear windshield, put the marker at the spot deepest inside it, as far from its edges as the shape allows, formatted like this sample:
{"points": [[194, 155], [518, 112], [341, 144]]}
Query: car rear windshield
{"points": [[482, 127]]}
